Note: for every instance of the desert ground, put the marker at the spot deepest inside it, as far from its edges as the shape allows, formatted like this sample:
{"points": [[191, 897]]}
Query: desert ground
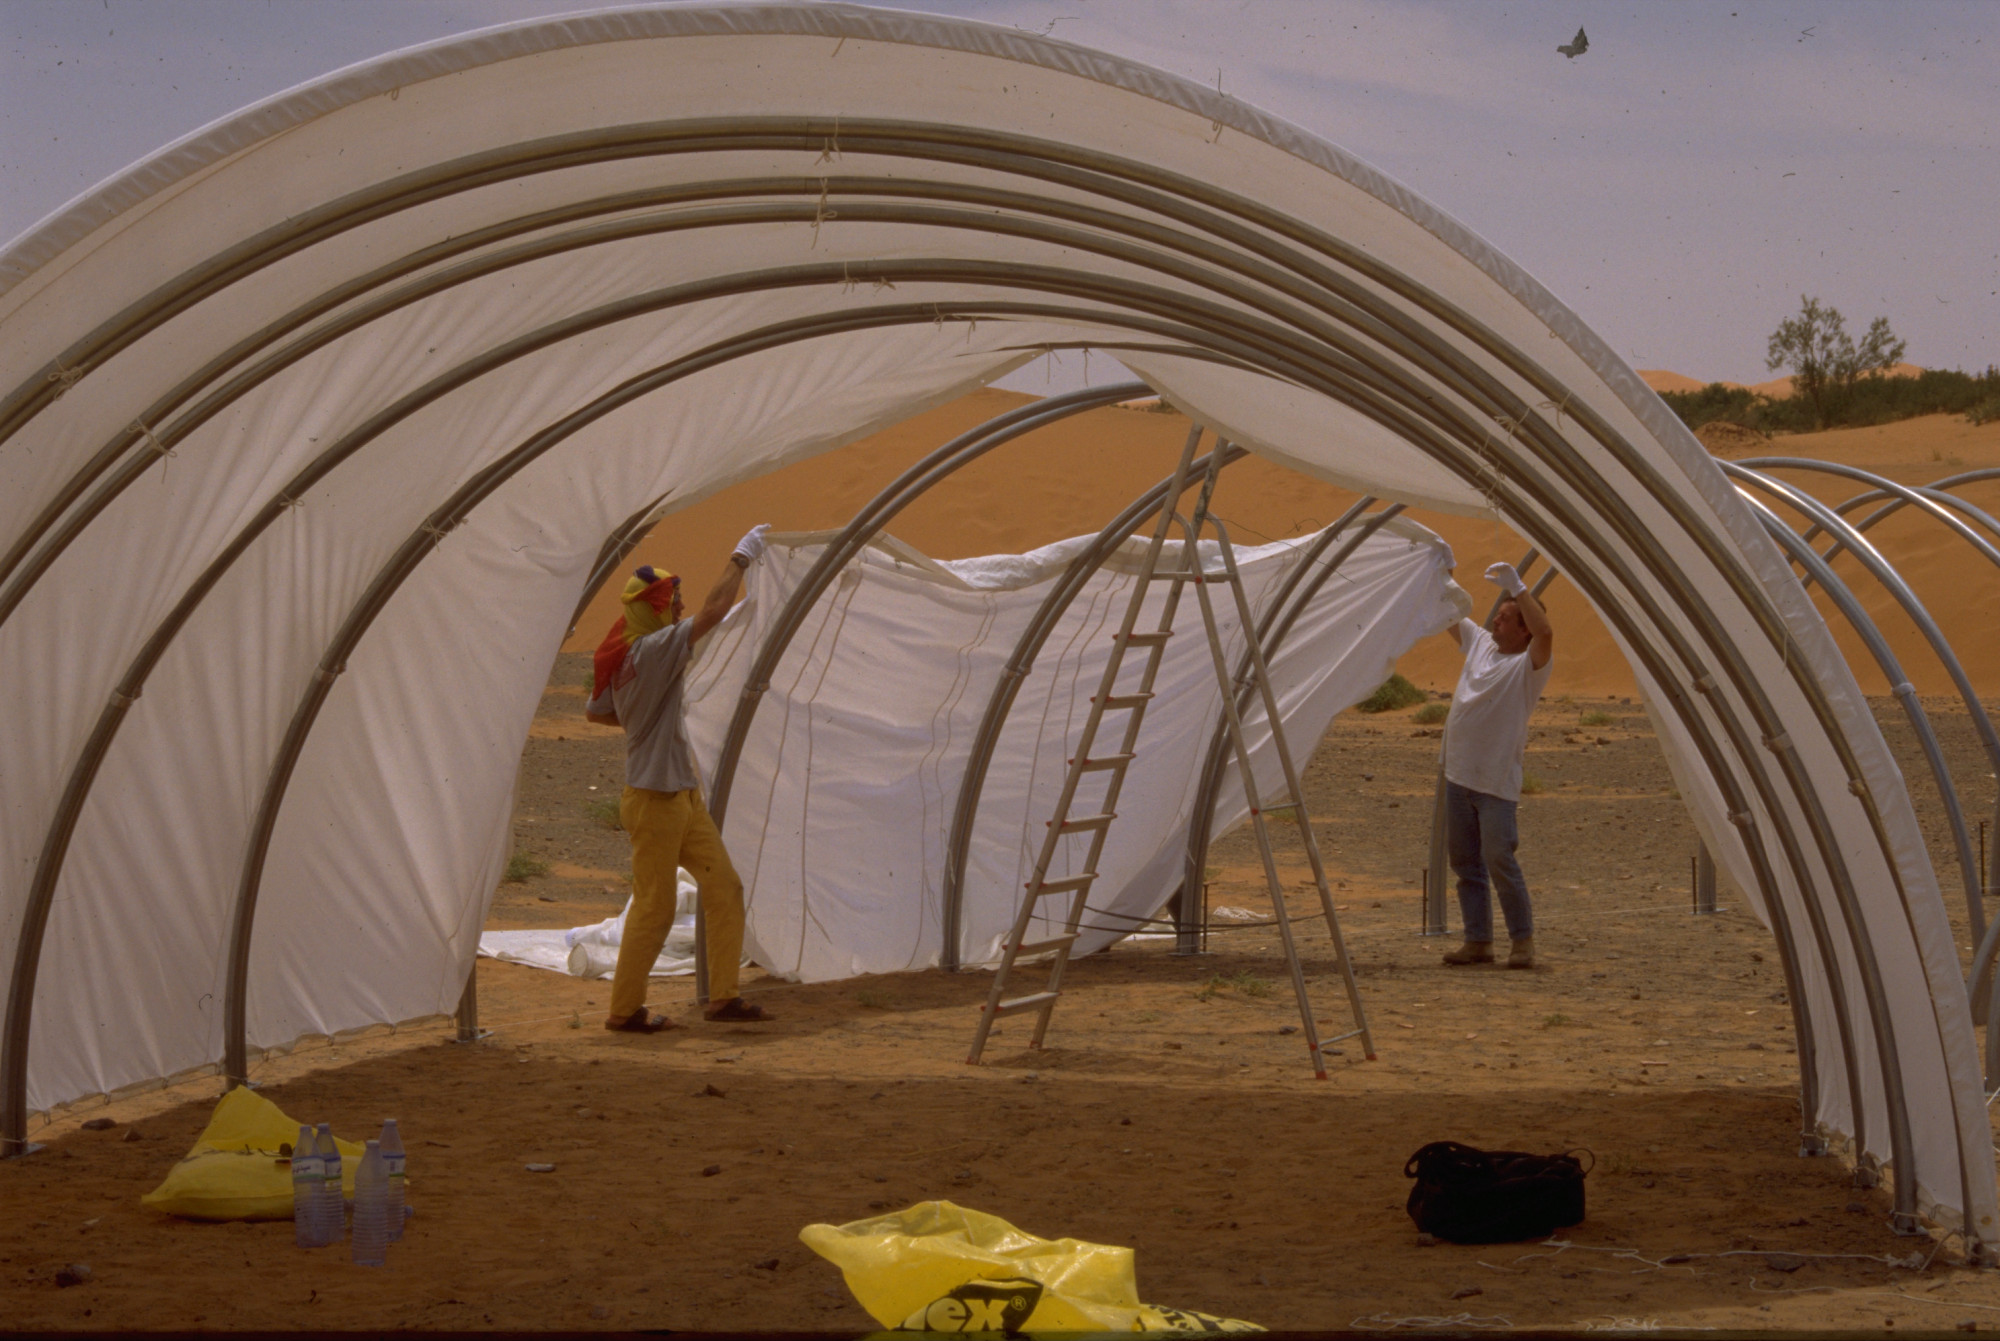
{"points": [[1173, 1110]]}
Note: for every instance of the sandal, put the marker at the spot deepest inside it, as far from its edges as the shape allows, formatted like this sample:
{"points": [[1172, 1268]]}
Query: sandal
{"points": [[642, 1021], [738, 1010]]}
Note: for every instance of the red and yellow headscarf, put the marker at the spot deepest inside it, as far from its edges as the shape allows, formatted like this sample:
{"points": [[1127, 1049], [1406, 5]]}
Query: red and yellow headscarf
{"points": [[649, 603]]}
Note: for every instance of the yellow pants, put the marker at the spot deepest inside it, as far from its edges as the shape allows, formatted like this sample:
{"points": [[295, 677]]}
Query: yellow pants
{"points": [[670, 830]]}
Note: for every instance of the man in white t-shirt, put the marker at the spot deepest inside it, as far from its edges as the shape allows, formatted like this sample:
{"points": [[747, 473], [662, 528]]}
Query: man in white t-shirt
{"points": [[1505, 673]]}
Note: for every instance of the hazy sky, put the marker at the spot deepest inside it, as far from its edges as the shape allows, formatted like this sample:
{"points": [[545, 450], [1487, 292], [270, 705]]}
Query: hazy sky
{"points": [[1679, 185]]}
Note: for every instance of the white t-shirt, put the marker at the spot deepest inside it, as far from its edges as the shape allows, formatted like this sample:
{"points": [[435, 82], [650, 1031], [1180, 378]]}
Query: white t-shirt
{"points": [[1488, 727]]}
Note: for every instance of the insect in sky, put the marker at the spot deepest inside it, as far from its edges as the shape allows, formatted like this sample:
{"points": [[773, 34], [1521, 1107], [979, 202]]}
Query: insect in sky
{"points": [[1576, 46]]}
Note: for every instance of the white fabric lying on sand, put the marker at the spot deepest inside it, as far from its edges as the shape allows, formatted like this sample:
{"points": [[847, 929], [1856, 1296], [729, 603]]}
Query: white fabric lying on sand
{"points": [[592, 951]]}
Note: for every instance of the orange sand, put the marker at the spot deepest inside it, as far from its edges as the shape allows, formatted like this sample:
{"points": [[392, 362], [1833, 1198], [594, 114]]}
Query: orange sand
{"points": [[1071, 478]]}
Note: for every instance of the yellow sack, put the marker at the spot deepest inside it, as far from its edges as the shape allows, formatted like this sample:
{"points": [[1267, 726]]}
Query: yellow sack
{"points": [[235, 1171], [943, 1268]]}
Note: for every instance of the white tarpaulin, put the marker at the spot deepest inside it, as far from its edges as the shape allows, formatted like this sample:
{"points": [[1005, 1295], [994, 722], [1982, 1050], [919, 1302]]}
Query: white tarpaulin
{"points": [[842, 805], [312, 424]]}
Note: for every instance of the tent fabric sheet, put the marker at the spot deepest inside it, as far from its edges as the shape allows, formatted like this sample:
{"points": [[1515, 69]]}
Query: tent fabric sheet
{"points": [[285, 404], [840, 812]]}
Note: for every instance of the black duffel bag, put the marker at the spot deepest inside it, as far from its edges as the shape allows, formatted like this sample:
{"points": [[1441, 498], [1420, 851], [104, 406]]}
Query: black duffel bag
{"points": [[1493, 1196]]}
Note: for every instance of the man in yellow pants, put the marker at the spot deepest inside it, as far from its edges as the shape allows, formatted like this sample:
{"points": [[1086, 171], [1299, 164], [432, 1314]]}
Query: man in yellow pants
{"points": [[640, 669]]}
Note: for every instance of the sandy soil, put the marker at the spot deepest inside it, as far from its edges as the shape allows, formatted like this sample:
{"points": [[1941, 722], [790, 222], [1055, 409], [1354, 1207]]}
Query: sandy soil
{"points": [[1171, 1111]]}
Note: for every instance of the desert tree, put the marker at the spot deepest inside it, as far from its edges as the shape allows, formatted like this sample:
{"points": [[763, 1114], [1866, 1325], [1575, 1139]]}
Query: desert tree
{"points": [[1815, 345]]}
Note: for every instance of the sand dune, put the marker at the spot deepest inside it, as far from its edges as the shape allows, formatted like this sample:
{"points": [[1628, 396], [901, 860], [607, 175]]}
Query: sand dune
{"points": [[1070, 478], [1778, 388]]}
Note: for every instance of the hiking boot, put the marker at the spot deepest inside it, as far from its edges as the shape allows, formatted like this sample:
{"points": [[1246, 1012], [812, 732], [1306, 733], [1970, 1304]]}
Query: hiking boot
{"points": [[1472, 952], [1522, 953]]}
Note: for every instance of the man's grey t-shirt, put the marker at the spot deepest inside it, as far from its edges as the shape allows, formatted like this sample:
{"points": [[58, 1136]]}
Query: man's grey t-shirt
{"points": [[646, 695]]}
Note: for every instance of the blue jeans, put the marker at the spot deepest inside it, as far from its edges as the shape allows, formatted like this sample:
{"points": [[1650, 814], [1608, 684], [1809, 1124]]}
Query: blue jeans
{"points": [[1480, 838]]}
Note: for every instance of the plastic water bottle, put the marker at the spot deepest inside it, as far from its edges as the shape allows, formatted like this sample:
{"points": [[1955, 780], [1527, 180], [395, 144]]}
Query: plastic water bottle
{"points": [[371, 1208], [332, 1200], [307, 1172], [393, 1159]]}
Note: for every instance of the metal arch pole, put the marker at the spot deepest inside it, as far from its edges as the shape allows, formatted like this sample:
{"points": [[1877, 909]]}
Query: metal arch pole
{"points": [[1190, 914], [1001, 701], [13, 1070], [866, 523], [1280, 614], [1937, 495], [1515, 361], [1754, 699], [1884, 573], [405, 561], [13, 588], [361, 314], [1915, 498], [1527, 562], [1255, 261], [617, 547], [905, 489], [333, 662], [16, 581], [1978, 983], [624, 538], [1878, 647], [1324, 243], [1938, 491]]}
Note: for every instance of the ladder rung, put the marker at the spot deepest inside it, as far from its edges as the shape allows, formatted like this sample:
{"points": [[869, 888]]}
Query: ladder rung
{"points": [[1022, 1002], [1043, 947], [1068, 886], [1182, 575], [1340, 1038], [1154, 639], [1126, 701], [1088, 822], [1103, 762]]}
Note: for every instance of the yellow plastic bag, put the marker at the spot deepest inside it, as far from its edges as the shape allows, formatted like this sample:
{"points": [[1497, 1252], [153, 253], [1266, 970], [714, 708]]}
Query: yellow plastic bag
{"points": [[943, 1268], [235, 1171]]}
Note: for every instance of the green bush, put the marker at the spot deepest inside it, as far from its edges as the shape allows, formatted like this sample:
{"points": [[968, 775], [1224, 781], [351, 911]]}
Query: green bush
{"points": [[1869, 401], [1431, 714], [603, 811], [1594, 719], [1242, 981], [1532, 784], [521, 868], [1393, 693]]}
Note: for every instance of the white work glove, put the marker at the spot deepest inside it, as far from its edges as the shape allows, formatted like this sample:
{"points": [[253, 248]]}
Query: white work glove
{"points": [[1503, 576], [751, 546]]}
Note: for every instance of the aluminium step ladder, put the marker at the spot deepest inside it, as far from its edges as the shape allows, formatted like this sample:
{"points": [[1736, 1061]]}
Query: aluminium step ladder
{"points": [[1236, 696]]}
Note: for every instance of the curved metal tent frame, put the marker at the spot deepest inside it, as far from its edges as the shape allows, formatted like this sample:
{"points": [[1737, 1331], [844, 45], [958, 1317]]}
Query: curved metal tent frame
{"points": [[152, 335], [1848, 538]]}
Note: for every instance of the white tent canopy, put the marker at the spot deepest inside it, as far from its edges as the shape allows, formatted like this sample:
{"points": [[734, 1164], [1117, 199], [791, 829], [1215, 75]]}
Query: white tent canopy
{"points": [[312, 423], [841, 807]]}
